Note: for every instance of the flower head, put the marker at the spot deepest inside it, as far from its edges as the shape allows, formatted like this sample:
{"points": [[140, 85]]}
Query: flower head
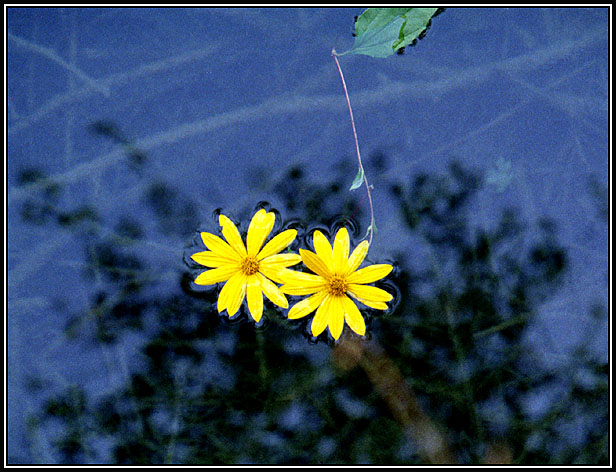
{"points": [[336, 277], [247, 269]]}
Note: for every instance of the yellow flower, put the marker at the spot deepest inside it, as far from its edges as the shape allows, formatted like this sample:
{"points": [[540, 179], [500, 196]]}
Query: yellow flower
{"points": [[336, 275], [246, 268]]}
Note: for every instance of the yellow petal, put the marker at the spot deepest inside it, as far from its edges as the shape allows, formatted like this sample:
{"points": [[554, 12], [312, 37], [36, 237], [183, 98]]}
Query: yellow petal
{"points": [[322, 248], [295, 277], [315, 263], [232, 235], [272, 292], [341, 251], [376, 305], [300, 290], [353, 316], [335, 319], [306, 306], [232, 294], [277, 243], [254, 297], [321, 319], [369, 274], [294, 290], [260, 227], [272, 273], [220, 274], [358, 256], [211, 259], [274, 266], [369, 293], [301, 283], [281, 260], [217, 245]]}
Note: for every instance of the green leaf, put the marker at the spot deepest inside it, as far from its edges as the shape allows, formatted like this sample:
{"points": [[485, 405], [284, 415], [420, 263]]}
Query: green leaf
{"points": [[372, 228], [358, 180], [380, 32]]}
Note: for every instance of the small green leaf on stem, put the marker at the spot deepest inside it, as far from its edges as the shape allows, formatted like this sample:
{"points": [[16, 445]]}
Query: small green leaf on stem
{"points": [[358, 180], [371, 231]]}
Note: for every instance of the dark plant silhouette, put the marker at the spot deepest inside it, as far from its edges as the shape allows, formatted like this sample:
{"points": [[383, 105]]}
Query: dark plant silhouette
{"points": [[448, 365]]}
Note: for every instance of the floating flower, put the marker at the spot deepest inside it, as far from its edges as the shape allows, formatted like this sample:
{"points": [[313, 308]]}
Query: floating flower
{"points": [[336, 276], [246, 268]]}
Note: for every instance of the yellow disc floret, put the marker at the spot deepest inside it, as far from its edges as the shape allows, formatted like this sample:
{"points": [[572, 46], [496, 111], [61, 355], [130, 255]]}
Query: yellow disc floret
{"points": [[250, 265], [337, 286]]}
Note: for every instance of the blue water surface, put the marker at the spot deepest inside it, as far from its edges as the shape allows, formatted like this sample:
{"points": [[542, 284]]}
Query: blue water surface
{"points": [[129, 127]]}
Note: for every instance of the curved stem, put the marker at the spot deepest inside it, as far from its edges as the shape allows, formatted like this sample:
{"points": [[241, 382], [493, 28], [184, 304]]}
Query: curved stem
{"points": [[361, 167]]}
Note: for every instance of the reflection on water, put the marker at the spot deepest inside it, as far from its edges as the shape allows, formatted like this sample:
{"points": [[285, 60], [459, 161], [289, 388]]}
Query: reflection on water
{"points": [[445, 376]]}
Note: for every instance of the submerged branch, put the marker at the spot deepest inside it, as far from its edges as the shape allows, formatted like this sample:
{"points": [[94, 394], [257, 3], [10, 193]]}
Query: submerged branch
{"points": [[395, 391]]}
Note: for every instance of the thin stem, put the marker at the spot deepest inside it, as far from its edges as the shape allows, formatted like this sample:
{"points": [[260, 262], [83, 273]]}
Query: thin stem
{"points": [[361, 167]]}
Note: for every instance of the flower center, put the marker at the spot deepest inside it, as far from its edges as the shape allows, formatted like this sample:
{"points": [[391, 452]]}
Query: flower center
{"points": [[336, 286], [250, 265]]}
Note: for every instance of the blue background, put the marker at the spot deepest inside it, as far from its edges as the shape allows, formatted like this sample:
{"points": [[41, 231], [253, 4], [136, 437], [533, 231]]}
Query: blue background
{"points": [[221, 104]]}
